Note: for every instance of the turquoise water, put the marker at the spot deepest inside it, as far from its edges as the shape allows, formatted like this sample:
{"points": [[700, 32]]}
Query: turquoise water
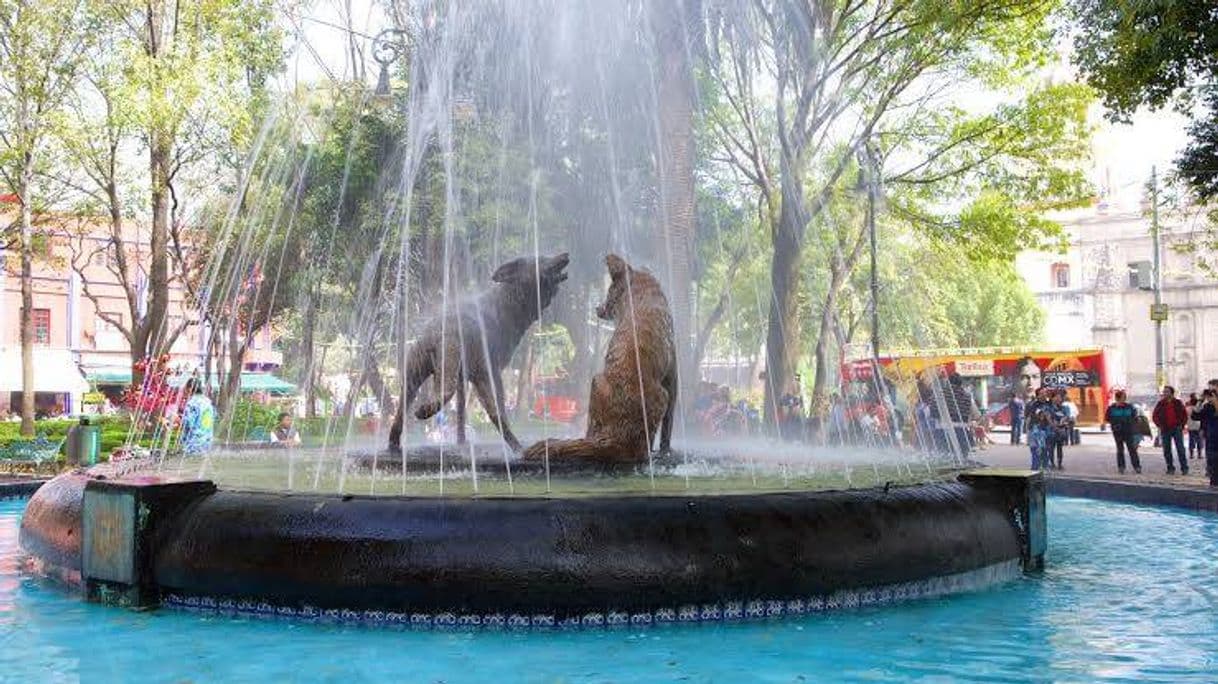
{"points": [[1131, 594]]}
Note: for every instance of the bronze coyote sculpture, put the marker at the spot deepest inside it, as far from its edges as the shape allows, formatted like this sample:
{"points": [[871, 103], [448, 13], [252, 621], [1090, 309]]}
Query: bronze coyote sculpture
{"points": [[473, 340]]}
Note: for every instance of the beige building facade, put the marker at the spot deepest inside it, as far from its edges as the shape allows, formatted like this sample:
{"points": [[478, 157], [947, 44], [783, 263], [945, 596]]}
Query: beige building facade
{"points": [[1097, 293], [77, 346]]}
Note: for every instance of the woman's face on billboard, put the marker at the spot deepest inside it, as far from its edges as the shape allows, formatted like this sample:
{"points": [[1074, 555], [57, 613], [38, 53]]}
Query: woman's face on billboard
{"points": [[1029, 376]]}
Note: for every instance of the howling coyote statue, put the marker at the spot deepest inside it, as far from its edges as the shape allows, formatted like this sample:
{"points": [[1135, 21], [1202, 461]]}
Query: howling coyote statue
{"points": [[473, 340]]}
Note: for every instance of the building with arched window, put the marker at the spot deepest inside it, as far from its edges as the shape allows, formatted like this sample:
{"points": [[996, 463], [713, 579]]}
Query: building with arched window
{"points": [[1099, 293]]}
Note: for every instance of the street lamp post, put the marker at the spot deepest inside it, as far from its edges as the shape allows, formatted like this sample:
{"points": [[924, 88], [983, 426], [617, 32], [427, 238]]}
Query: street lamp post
{"points": [[1158, 312], [387, 48]]}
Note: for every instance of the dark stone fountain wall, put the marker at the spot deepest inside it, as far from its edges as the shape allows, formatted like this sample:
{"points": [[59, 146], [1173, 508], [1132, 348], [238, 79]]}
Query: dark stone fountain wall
{"points": [[51, 528], [560, 557]]}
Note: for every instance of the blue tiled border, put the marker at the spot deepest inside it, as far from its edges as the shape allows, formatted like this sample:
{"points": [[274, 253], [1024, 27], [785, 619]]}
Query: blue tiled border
{"points": [[730, 611]]}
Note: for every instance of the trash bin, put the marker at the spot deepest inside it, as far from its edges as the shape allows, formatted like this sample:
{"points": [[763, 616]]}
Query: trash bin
{"points": [[84, 443]]}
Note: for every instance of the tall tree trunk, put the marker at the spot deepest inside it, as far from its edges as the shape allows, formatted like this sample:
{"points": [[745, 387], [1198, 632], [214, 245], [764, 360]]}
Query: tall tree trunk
{"points": [[376, 383], [309, 349], [824, 335], [676, 166], [571, 311], [524, 382], [719, 310], [841, 268], [150, 339], [27, 301], [782, 333], [232, 379], [712, 322]]}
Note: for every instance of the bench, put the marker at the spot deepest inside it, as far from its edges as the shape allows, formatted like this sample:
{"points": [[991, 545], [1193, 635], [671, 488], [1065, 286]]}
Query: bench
{"points": [[30, 455]]}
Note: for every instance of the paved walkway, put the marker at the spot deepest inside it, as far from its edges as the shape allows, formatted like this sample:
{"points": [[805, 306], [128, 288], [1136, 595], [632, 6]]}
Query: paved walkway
{"points": [[1095, 458]]}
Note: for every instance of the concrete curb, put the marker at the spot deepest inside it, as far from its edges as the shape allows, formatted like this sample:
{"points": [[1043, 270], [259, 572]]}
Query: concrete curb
{"points": [[1193, 498]]}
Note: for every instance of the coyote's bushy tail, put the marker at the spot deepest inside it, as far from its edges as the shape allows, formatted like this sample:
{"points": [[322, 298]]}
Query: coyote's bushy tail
{"points": [[578, 448]]}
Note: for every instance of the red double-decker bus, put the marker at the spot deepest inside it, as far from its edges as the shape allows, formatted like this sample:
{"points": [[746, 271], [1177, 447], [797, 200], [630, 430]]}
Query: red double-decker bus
{"points": [[995, 375]]}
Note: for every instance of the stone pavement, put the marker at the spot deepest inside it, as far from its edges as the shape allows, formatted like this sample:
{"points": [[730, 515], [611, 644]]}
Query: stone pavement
{"points": [[1095, 458]]}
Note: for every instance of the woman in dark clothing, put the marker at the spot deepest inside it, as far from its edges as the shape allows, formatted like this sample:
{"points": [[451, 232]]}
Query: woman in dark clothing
{"points": [[1060, 419], [1195, 447]]}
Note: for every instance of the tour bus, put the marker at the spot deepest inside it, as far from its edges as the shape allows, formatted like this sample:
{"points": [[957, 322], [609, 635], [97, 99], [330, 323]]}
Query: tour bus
{"points": [[993, 375]]}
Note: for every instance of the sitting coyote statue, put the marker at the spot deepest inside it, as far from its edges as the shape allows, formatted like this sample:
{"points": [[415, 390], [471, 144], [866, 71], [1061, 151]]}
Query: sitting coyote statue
{"points": [[633, 398]]}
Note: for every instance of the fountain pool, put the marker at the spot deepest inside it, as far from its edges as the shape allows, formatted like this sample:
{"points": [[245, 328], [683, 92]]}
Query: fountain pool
{"points": [[1128, 595]]}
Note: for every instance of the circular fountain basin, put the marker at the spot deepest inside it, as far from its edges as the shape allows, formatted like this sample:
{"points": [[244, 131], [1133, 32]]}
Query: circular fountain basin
{"points": [[543, 560]]}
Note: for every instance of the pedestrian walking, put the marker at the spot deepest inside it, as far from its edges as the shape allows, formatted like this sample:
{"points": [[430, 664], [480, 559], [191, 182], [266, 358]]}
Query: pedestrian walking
{"points": [[1171, 417], [1015, 410], [1122, 420]]}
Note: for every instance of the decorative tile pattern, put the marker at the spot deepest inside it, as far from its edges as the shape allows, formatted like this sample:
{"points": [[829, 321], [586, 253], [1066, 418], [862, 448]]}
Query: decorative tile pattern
{"points": [[756, 609]]}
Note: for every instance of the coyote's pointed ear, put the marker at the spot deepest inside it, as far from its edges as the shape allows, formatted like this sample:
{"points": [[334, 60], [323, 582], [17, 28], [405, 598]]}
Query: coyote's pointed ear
{"points": [[617, 266], [509, 271]]}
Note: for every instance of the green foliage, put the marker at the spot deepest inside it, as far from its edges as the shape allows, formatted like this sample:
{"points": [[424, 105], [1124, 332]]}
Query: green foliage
{"points": [[194, 66], [1005, 167], [552, 349], [115, 431], [961, 304], [247, 416], [1157, 53], [1146, 52], [40, 53]]}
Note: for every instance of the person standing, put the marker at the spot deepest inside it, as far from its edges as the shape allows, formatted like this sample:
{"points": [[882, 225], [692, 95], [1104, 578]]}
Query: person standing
{"points": [[1194, 427], [1072, 418], [1059, 419], [1171, 418], [1207, 414], [791, 411], [198, 419], [1039, 402], [1122, 419], [1040, 439], [285, 432], [1015, 409]]}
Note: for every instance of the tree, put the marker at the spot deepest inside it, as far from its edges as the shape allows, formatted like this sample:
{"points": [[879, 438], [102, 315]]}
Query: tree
{"points": [[1157, 53], [848, 76], [40, 46], [670, 25], [181, 82]]}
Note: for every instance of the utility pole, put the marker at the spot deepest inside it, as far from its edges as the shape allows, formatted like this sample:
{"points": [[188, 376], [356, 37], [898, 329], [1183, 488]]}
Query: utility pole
{"points": [[1157, 313]]}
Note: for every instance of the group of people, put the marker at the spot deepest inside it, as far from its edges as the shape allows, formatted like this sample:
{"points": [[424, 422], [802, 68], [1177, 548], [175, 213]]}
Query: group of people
{"points": [[1049, 419], [198, 420], [1198, 417], [718, 416], [947, 415]]}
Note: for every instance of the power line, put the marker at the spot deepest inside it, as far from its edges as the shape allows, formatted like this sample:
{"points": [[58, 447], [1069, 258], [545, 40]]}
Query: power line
{"points": [[323, 22]]}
